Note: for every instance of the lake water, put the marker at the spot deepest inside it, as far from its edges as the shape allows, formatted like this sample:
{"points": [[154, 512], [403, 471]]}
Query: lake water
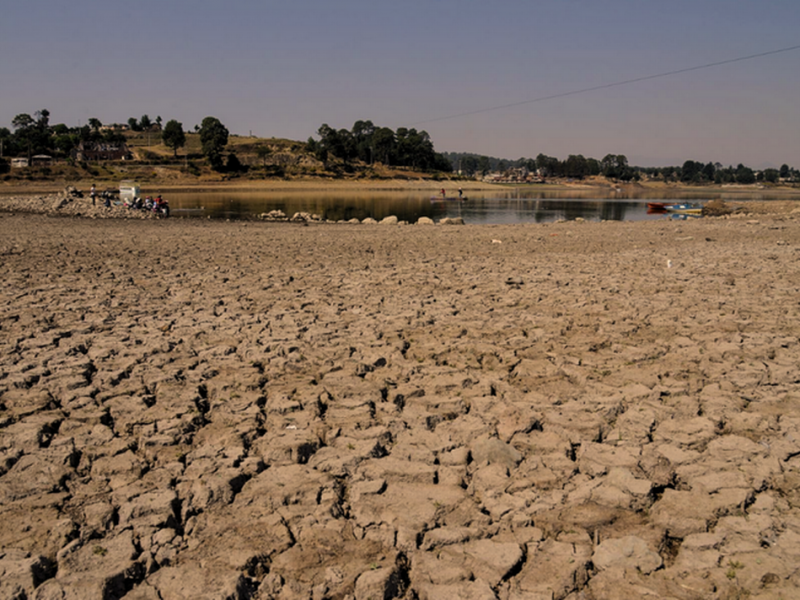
{"points": [[521, 205]]}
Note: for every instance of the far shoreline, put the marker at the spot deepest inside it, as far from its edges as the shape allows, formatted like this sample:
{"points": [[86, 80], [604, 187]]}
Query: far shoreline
{"points": [[387, 185]]}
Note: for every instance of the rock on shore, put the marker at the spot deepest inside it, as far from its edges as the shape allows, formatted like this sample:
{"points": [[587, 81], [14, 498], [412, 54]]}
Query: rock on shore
{"points": [[195, 409]]}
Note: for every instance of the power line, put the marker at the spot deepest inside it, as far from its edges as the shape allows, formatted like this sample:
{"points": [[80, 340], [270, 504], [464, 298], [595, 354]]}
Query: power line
{"points": [[606, 86]]}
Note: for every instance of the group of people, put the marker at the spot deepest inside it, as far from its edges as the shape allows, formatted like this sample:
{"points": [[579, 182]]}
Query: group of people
{"points": [[105, 195], [157, 205], [460, 193]]}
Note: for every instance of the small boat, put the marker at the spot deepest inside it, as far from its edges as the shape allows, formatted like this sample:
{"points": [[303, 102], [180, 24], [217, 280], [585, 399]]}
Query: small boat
{"points": [[684, 209], [657, 206], [447, 199]]}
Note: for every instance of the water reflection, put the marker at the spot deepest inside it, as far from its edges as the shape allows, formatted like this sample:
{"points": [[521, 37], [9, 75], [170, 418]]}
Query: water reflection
{"points": [[502, 206], [492, 211]]}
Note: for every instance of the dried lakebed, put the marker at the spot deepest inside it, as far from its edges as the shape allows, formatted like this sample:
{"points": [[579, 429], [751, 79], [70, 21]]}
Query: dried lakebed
{"points": [[194, 409]]}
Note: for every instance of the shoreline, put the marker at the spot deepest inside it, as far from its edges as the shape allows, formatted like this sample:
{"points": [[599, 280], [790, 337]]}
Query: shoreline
{"points": [[315, 184], [61, 205]]}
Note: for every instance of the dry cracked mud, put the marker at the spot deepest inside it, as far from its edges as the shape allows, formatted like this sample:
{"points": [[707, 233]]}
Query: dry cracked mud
{"points": [[210, 410]]}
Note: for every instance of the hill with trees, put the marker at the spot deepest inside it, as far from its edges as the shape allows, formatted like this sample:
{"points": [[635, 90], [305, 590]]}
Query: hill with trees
{"points": [[209, 151]]}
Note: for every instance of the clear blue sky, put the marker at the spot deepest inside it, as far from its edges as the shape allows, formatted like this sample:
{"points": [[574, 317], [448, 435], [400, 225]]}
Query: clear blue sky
{"points": [[281, 69]]}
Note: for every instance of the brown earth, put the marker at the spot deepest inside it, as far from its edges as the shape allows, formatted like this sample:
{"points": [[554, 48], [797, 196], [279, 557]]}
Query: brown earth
{"points": [[197, 409]]}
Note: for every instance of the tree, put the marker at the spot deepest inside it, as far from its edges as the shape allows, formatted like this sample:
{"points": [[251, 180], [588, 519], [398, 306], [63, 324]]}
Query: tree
{"points": [[708, 171], [548, 166], [95, 124], [689, 170], [469, 164], [5, 138], [22, 121], [233, 164], [771, 175], [339, 143], [383, 143], [113, 137], [158, 122], [65, 143], [133, 123], [745, 174], [145, 123], [576, 166], [784, 172], [214, 138], [613, 165], [173, 136], [441, 163], [43, 119], [23, 124], [362, 134]]}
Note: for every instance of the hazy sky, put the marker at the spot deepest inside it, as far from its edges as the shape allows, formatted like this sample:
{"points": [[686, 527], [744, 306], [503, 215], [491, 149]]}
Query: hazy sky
{"points": [[283, 68]]}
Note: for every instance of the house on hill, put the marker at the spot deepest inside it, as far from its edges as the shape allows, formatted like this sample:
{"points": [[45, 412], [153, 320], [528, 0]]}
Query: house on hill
{"points": [[93, 152], [40, 160]]}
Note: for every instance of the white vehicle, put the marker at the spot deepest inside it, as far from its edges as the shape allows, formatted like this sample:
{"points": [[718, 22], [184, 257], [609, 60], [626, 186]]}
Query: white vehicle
{"points": [[128, 190]]}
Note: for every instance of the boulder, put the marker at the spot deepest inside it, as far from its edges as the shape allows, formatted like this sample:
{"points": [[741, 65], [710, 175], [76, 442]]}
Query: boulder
{"points": [[273, 215]]}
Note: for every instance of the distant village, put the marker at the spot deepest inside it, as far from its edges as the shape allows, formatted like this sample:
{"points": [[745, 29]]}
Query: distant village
{"points": [[514, 175], [84, 151]]}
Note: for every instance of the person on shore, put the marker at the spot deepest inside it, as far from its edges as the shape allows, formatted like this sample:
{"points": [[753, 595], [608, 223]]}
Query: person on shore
{"points": [[161, 207], [93, 195], [460, 193], [443, 194]]}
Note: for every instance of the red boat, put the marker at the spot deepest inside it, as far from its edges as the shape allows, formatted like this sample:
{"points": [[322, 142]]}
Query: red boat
{"points": [[656, 207]]}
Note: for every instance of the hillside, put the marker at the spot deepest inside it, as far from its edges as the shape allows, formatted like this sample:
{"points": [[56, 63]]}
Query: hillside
{"points": [[247, 160]]}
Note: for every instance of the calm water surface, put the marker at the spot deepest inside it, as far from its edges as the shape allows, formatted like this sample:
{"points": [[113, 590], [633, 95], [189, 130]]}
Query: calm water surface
{"points": [[486, 207]]}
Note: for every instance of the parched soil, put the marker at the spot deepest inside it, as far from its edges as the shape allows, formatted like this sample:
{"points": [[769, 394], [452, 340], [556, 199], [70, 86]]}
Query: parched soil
{"points": [[197, 409]]}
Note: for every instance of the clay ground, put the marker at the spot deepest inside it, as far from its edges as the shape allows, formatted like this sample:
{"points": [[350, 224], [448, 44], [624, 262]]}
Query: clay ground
{"points": [[194, 409]]}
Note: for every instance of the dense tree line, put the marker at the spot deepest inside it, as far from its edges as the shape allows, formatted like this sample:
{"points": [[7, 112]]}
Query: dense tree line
{"points": [[616, 167], [698, 172], [370, 144]]}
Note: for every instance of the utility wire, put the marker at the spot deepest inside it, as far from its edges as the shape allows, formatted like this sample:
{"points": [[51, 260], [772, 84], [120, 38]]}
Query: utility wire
{"points": [[606, 86]]}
